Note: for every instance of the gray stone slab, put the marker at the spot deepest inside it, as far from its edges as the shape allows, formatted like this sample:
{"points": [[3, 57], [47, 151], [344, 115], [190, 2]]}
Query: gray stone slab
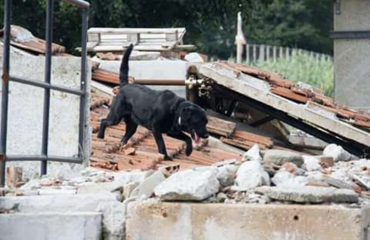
{"points": [[312, 194]]}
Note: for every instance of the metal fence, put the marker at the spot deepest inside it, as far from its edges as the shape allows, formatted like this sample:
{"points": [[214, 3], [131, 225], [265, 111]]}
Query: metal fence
{"points": [[260, 52], [47, 86]]}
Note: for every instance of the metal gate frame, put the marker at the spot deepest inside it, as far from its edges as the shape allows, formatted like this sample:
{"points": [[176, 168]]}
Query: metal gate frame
{"points": [[6, 77]]}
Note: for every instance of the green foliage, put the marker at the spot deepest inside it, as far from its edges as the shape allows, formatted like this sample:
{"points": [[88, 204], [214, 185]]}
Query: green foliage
{"points": [[303, 68], [210, 24]]}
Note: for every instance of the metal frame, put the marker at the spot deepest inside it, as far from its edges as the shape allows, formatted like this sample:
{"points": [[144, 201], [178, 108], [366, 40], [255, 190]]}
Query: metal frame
{"points": [[6, 77]]}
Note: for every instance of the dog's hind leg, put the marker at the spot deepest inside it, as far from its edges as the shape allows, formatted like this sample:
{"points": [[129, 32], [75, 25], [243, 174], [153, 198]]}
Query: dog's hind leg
{"points": [[182, 136], [160, 143], [131, 127], [112, 119]]}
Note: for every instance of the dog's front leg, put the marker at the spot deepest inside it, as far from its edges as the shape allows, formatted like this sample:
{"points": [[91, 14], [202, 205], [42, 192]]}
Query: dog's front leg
{"points": [[182, 136], [160, 143]]}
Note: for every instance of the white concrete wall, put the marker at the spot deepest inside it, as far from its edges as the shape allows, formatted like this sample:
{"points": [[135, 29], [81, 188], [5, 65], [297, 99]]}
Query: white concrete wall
{"points": [[351, 56], [25, 113]]}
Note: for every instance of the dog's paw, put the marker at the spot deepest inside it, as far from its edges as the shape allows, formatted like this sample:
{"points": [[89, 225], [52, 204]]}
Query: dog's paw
{"points": [[189, 149], [168, 158], [100, 135]]}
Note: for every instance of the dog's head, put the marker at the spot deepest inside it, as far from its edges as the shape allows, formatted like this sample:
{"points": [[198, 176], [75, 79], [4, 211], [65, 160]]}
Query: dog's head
{"points": [[194, 121]]}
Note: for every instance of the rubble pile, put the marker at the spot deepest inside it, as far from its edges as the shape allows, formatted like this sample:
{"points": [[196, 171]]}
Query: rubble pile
{"points": [[277, 177]]}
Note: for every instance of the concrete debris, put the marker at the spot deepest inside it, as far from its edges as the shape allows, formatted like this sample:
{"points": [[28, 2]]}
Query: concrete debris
{"points": [[194, 58], [326, 161], [252, 154], [311, 163], [286, 179], [189, 185], [14, 176], [290, 167], [146, 189], [278, 157], [312, 194], [363, 182], [250, 175], [337, 153], [336, 182], [226, 172]]}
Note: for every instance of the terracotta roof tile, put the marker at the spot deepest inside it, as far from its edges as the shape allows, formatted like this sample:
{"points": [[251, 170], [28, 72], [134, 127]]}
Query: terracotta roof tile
{"points": [[109, 153]]}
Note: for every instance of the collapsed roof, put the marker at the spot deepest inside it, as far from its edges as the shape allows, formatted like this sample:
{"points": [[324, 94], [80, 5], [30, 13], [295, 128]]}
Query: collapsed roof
{"points": [[299, 105]]}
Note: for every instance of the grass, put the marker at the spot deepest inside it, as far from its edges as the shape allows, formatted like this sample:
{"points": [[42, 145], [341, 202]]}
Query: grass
{"points": [[303, 68]]}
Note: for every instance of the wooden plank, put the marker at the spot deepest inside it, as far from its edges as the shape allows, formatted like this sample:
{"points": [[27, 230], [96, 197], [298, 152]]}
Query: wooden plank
{"points": [[233, 82]]}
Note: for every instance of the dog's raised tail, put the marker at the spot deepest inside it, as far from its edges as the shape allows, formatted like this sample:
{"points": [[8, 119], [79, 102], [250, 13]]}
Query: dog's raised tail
{"points": [[123, 75]]}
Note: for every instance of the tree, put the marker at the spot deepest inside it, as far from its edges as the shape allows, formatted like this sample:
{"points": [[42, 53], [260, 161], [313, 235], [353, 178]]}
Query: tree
{"points": [[210, 25]]}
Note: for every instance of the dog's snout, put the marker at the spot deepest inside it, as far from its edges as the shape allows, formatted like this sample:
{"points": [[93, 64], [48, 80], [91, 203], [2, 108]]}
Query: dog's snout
{"points": [[206, 135]]}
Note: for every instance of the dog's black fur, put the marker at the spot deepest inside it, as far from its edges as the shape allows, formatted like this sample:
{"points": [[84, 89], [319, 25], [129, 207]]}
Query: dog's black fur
{"points": [[159, 111]]}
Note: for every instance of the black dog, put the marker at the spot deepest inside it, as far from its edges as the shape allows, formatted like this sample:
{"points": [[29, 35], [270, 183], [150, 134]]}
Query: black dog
{"points": [[159, 111]]}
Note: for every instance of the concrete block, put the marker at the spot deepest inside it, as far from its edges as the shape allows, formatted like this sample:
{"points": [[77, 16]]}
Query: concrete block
{"points": [[51, 225], [114, 213], [154, 69], [173, 221]]}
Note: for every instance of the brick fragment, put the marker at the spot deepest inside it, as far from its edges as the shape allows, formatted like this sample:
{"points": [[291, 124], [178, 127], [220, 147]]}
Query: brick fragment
{"points": [[14, 176]]}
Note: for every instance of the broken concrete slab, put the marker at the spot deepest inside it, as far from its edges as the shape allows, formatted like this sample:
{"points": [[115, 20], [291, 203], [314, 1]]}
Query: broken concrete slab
{"points": [[215, 142], [146, 188], [309, 194], [172, 221], [279, 157], [51, 225], [226, 172], [289, 167], [253, 154], [335, 182], [311, 163], [91, 188], [250, 175], [194, 57], [337, 152], [189, 185], [125, 177], [286, 179]]}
